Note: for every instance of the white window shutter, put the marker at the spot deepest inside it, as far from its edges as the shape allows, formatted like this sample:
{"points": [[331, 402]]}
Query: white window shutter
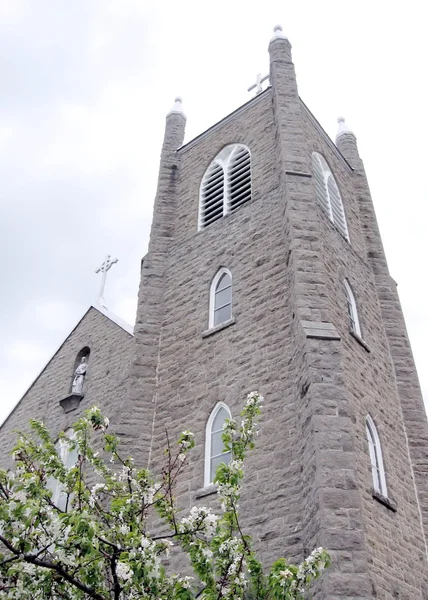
{"points": [[239, 177], [328, 194], [337, 206], [212, 195], [226, 184]]}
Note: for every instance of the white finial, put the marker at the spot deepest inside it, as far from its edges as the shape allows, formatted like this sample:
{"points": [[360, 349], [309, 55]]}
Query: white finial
{"points": [[178, 106], [258, 85], [277, 31], [106, 266], [343, 128]]}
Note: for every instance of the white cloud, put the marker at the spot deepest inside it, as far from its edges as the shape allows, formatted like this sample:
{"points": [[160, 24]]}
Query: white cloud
{"points": [[7, 131], [27, 351], [13, 10], [53, 314]]}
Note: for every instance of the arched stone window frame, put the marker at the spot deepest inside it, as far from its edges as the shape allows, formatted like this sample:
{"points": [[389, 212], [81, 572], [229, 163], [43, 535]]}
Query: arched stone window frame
{"points": [[328, 193], [213, 295], [354, 319], [208, 475], [225, 185], [376, 458]]}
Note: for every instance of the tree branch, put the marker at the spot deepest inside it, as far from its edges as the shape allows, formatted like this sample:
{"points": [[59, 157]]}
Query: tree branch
{"points": [[116, 585], [54, 567]]}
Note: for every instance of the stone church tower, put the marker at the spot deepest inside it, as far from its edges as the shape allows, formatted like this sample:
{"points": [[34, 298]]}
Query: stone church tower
{"points": [[266, 271]]}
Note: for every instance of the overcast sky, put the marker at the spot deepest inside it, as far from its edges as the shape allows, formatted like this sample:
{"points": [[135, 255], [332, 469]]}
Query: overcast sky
{"points": [[86, 86]]}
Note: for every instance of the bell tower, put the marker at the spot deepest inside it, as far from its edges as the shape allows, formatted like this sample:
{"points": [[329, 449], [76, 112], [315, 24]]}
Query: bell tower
{"points": [[266, 271]]}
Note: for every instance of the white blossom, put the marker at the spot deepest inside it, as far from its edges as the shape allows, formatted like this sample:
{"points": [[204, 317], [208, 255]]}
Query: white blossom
{"points": [[123, 571]]}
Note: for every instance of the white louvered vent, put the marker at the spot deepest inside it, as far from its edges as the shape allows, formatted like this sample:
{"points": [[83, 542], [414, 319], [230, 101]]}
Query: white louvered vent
{"points": [[212, 195], [226, 184], [328, 194], [337, 206], [239, 175]]}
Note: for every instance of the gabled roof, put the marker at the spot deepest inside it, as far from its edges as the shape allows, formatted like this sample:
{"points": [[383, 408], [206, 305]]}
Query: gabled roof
{"points": [[100, 309], [120, 322], [256, 99]]}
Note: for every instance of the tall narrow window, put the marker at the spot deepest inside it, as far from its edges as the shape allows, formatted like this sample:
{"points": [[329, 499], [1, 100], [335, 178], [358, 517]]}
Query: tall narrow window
{"points": [[212, 195], [239, 177], [328, 194], [378, 472], [214, 448], [226, 184], [354, 320], [221, 298], [69, 458]]}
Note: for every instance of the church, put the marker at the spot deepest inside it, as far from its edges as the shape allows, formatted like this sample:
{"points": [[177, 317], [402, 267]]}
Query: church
{"points": [[266, 271]]}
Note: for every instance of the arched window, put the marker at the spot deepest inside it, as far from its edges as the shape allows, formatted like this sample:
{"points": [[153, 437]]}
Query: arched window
{"points": [[378, 471], [214, 448], [328, 194], [354, 320], [69, 458], [225, 185], [221, 298], [212, 195]]}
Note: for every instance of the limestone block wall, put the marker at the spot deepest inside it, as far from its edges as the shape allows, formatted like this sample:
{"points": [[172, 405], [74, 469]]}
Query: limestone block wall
{"points": [[195, 371], [397, 550], [105, 383], [309, 482]]}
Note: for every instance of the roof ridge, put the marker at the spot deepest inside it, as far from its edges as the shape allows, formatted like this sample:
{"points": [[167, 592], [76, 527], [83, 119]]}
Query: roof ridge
{"points": [[117, 320]]}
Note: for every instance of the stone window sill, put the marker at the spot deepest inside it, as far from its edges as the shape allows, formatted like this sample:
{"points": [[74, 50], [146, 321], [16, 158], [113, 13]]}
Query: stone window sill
{"points": [[385, 501], [218, 328], [360, 340], [206, 491]]}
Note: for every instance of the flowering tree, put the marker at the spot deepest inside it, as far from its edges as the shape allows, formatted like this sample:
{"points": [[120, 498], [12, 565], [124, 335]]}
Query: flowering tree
{"points": [[96, 543]]}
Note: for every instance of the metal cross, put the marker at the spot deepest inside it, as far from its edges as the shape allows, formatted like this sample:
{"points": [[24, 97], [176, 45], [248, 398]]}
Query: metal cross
{"points": [[106, 266], [258, 85]]}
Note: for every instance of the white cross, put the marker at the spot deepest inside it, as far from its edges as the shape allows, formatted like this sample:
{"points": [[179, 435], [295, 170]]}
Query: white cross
{"points": [[258, 85], [106, 266]]}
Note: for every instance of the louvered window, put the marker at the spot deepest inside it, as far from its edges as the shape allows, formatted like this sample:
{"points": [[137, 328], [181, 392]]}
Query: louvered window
{"points": [[376, 460], [226, 184], [239, 175], [212, 195], [328, 194]]}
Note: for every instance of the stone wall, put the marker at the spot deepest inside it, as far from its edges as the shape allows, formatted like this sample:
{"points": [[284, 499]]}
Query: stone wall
{"points": [[105, 383], [195, 370], [309, 481]]}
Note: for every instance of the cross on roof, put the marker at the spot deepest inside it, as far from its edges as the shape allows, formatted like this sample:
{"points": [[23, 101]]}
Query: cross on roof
{"points": [[258, 85], [106, 266]]}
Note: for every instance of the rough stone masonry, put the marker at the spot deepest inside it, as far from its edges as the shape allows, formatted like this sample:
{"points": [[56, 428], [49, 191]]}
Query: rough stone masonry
{"points": [[309, 481]]}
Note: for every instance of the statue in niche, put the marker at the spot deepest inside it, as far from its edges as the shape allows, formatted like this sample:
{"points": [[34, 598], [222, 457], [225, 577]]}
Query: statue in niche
{"points": [[79, 377]]}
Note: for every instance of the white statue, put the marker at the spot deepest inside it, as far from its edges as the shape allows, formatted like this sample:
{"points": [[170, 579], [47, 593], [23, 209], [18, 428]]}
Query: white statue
{"points": [[79, 376]]}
